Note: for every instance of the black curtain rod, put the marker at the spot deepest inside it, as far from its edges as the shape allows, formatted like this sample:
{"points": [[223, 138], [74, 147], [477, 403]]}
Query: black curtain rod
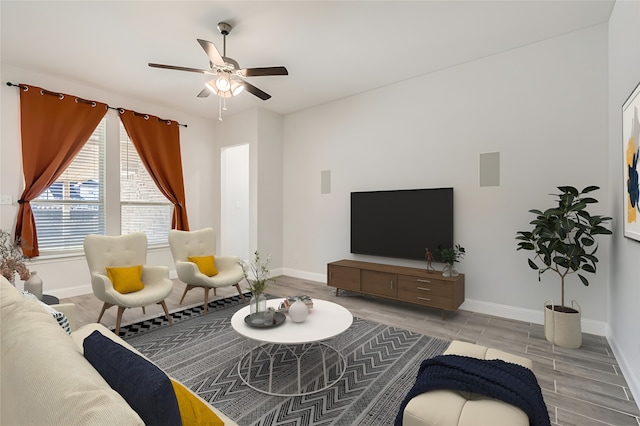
{"points": [[121, 110]]}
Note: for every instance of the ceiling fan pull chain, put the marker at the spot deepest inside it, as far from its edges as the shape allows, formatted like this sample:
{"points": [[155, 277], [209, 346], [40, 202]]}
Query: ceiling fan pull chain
{"points": [[220, 109], [224, 104]]}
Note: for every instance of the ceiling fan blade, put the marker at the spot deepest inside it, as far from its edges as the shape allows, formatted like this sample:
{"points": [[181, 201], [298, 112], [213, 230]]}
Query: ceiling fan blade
{"points": [[204, 93], [255, 91], [257, 72], [177, 68], [212, 52]]}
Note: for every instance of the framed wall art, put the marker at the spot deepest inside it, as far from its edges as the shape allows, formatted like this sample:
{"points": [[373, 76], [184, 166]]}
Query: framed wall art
{"points": [[631, 152]]}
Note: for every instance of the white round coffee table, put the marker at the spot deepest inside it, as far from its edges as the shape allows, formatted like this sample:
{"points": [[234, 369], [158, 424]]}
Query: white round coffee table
{"points": [[326, 322]]}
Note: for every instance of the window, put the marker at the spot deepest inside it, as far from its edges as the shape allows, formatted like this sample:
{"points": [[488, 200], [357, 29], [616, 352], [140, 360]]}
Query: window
{"points": [[74, 205], [142, 205]]}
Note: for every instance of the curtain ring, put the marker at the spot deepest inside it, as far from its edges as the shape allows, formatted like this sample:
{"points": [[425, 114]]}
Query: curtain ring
{"points": [[146, 117], [84, 101], [60, 95], [121, 110], [25, 88]]}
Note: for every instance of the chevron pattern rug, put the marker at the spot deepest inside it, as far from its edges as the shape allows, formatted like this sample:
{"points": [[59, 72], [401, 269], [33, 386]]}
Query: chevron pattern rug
{"points": [[132, 329], [202, 351]]}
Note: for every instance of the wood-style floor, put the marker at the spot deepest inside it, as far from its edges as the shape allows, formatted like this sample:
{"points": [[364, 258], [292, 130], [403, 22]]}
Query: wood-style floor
{"points": [[580, 386]]}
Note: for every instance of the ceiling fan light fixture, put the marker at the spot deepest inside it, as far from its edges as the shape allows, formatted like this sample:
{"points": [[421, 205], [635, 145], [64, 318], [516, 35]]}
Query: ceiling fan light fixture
{"points": [[223, 82], [236, 87], [211, 86]]}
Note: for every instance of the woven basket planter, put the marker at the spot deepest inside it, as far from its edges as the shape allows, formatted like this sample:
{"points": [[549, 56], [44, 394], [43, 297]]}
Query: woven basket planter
{"points": [[563, 328]]}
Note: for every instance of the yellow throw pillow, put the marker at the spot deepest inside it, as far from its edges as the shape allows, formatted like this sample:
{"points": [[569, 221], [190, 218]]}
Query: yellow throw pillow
{"points": [[126, 279], [194, 412], [206, 264]]}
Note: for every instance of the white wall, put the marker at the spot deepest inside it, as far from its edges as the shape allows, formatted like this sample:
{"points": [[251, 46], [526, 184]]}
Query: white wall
{"points": [[624, 75], [269, 175], [69, 276], [543, 107], [262, 130]]}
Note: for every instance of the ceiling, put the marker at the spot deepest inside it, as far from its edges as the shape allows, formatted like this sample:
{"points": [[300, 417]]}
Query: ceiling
{"points": [[332, 49]]}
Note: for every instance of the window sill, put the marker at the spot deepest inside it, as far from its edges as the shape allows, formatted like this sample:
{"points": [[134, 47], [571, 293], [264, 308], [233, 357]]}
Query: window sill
{"points": [[77, 255]]}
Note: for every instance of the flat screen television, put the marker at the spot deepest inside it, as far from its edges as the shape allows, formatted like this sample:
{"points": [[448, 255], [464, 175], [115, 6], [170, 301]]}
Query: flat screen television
{"points": [[401, 223]]}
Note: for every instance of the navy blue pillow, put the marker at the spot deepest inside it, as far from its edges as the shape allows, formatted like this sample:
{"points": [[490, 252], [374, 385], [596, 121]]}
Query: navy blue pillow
{"points": [[145, 387]]}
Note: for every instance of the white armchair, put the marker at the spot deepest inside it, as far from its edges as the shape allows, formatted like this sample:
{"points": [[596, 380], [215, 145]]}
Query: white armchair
{"points": [[104, 252], [186, 244]]}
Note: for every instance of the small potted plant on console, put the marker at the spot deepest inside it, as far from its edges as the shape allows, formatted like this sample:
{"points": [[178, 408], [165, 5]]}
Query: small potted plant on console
{"points": [[449, 256]]}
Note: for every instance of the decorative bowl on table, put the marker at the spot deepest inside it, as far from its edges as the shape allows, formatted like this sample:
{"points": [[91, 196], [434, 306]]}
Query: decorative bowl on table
{"points": [[264, 319]]}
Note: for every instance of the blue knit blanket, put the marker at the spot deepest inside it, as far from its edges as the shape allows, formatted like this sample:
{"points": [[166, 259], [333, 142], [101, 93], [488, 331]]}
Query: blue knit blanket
{"points": [[508, 382]]}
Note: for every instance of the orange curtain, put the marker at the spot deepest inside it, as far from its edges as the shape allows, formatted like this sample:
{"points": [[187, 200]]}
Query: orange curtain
{"points": [[54, 128], [158, 144]]}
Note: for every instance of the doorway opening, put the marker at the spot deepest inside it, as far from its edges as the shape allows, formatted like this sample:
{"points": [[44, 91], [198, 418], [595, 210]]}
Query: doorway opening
{"points": [[234, 191]]}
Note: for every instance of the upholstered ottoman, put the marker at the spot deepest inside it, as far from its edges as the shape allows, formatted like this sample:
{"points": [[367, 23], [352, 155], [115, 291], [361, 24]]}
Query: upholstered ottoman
{"points": [[448, 407]]}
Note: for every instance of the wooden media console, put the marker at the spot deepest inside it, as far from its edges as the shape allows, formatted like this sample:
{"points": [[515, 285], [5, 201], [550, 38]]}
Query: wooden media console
{"points": [[413, 285]]}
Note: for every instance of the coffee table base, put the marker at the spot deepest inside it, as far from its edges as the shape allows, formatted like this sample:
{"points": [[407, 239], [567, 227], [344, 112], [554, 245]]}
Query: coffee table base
{"points": [[268, 355]]}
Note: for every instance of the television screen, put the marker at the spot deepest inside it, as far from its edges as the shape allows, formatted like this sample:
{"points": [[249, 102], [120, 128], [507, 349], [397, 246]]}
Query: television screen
{"points": [[401, 223]]}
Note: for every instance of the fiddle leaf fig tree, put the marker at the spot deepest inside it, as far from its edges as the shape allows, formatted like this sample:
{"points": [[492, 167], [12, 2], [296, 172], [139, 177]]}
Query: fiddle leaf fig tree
{"points": [[562, 237]]}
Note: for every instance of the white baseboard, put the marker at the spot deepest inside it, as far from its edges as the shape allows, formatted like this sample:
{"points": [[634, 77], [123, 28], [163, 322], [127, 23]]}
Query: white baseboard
{"points": [[505, 311], [81, 290], [627, 372], [309, 276], [535, 316], [521, 314]]}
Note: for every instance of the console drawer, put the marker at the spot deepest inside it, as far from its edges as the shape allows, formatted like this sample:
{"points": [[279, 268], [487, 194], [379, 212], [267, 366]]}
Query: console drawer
{"points": [[421, 285], [426, 299]]}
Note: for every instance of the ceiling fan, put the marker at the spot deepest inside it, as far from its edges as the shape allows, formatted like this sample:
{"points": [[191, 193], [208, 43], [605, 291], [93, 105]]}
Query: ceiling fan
{"points": [[229, 77]]}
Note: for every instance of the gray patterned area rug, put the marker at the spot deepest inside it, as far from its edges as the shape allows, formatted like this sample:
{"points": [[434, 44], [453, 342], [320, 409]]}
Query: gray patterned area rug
{"points": [[202, 351]]}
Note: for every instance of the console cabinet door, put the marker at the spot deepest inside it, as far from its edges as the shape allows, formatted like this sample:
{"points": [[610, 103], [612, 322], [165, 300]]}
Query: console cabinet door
{"points": [[344, 277], [379, 283]]}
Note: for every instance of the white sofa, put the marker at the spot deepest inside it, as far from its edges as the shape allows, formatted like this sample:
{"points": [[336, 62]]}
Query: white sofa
{"points": [[44, 377]]}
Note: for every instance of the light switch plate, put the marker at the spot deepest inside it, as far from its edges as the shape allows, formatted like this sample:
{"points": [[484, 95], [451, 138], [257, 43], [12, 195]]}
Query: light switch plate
{"points": [[5, 199]]}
